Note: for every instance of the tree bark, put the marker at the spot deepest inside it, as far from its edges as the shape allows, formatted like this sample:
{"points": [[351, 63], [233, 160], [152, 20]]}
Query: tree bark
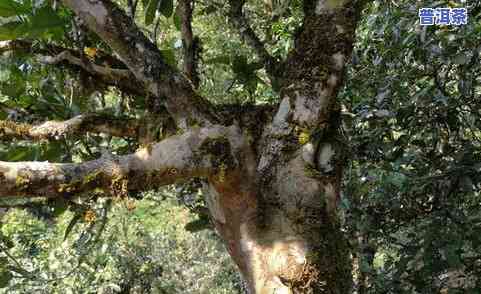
{"points": [[273, 186], [284, 233]]}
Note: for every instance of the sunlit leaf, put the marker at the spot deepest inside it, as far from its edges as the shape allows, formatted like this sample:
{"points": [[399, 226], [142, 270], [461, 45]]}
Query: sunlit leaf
{"points": [[5, 277], [11, 8], [169, 56], [150, 11], [11, 30], [75, 219]]}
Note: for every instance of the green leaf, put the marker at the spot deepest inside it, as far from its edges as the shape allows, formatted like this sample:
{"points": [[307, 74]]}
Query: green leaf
{"points": [[198, 225], [13, 89], [169, 56], [43, 21], [5, 277], [239, 65], [19, 153], [461, 59], [209, 9], [177, 21], [6, 242], [59, 206], [452, 257], [10, 8], [246, 72], [396, 179], [221, 59], [166, 7], [53, 151], [251, 83], [11, 30], [150, 11], [75, 219]]}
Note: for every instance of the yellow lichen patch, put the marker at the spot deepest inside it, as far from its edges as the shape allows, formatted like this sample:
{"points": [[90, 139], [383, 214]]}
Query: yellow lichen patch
{"points": [[78, 184], [90, 177], [16, 129], [331, 4], [90, 216], [312, 255], [222, 172], [130, 204], [21, 182], [312, 172], [98, 191], [91, 52], [65, 188], [304, 137], [119, 186]]}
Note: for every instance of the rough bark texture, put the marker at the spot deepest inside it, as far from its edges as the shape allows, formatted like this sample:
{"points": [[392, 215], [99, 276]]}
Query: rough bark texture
{"points": [[273, 179], [145, 61], [172, 160], [79, 125], [190, 44], [295, 244]]}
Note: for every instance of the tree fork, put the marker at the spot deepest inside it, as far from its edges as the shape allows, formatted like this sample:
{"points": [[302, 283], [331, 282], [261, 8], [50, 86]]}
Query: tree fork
{"points": [[272, 200]]}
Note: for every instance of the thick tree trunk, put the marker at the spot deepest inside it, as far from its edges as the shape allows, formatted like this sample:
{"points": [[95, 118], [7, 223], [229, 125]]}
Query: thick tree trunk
{"points": [[285, 239], [273, 198], [279, 217]]}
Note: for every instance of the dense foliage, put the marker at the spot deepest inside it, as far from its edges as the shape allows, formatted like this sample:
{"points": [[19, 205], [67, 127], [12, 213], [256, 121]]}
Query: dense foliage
{"points": [[139, 247], [413, 100], [411, 112]]}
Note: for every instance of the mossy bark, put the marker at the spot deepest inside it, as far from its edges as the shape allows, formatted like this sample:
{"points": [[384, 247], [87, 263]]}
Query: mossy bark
{"points": [[283, 231], [283, 234]]}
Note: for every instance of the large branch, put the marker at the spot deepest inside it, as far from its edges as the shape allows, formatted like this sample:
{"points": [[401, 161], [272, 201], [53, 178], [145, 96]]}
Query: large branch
{"points": [[112, 73], [31, 47], [240, 22], [143, 58], [79, 125], [15, 45], [174, 159], [313, 76], [322, 48]]}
